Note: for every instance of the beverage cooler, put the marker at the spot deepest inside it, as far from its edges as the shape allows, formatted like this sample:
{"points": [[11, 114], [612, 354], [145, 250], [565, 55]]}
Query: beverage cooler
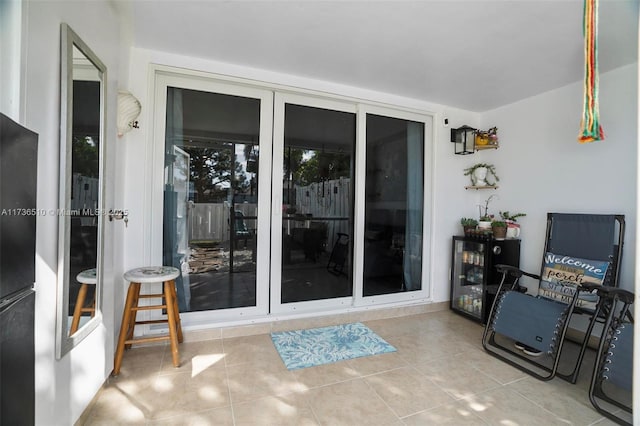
{"points": [[474, 279]]}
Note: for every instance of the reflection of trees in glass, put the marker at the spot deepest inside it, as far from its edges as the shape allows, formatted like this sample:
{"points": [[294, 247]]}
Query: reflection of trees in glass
{"points": [[307, 167], [210, 172], [84, 156]]}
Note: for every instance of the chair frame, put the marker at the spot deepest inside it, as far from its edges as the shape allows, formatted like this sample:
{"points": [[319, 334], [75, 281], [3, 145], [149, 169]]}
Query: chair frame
{"points": [[601, 312], [619, 302]]}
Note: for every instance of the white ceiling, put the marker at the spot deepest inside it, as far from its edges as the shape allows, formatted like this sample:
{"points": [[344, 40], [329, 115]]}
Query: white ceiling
{"points": [[471, 54]]}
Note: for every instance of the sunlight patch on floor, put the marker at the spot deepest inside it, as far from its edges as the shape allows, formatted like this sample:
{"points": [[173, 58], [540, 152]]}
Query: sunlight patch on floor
{"points": [[201, 362]]}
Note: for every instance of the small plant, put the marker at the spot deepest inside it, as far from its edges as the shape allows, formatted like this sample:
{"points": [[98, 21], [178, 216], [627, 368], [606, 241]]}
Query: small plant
{"points": [[484, 213], [512, 217], [469, 171], [467, 221], [498, 224]]}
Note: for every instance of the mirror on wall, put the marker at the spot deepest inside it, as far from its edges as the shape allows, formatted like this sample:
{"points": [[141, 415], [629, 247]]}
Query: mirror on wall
{"points": [[82, 100]]}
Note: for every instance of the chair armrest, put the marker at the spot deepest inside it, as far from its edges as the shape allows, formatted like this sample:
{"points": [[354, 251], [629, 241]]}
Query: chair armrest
{"points": [[515, 271], [621, 294], [589, 287], [509, 270]]}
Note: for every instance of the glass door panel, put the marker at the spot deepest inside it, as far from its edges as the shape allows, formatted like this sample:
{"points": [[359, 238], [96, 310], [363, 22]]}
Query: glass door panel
{"points": [[316, 223], [394, 206], [211, 197]]}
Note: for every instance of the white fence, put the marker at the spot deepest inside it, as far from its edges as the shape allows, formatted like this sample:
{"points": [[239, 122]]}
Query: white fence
{"points": [[331, 199], [330, 202], [210, 221]]}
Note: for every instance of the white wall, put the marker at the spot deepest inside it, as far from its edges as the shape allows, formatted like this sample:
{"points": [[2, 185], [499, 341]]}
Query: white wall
{"points": [[544, 169], [65, 387]]}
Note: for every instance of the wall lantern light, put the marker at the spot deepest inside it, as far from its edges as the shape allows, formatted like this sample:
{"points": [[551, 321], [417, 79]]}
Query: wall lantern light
{"points": [[464, 138]]}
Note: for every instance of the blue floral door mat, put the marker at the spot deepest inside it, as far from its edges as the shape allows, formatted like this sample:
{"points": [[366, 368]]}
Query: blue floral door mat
{"points": [[317, 346]]}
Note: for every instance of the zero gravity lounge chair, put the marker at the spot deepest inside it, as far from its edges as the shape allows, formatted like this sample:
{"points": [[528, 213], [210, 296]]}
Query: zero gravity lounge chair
{"points": [[582, 253]]}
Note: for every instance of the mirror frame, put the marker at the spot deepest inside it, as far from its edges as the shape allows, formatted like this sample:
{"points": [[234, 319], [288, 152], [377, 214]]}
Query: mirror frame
{"points": [[64, 342]]}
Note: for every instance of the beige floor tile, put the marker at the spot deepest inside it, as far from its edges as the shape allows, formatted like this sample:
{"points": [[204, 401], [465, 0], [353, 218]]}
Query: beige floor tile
{"points": [[216, 417], [250, 381], [606, 422], [367, 365], [350, 403], [249, 349], [450, 414], [326, 374], [194, 357], [563, 399], [457, 378], [417, 348], [505, 407], [117, 406], [407, 392], [397, 326], [282, 410], [171, 395], [142, 361], [491, 366], [162, 396]]}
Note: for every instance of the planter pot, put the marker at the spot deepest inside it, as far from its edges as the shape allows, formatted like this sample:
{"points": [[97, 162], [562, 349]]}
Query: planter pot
{"points": [[513, 230], [469, 229], [499, 231]]}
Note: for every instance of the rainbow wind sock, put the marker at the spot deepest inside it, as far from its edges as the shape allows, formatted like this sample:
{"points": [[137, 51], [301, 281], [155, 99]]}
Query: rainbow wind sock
{"points": [[590, 125]]}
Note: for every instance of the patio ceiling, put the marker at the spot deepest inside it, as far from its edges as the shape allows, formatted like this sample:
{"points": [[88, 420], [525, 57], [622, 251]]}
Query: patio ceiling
{"points": [[472, 54]]}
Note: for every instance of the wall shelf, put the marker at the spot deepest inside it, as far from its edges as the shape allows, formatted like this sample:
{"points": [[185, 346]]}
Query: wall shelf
{"points": [[488, 146], [481, 187]]}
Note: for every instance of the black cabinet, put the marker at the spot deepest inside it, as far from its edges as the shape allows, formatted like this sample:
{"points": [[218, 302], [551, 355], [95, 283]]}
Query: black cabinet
{"points": [[474, 279]]}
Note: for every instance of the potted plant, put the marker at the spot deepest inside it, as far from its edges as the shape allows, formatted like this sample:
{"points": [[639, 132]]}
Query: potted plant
{"points": [[499, 228], [506, 216], [468, 224], [485, 217], [478, 173]]}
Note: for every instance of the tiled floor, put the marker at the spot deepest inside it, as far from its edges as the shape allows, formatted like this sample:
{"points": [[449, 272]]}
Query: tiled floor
{"points": [[439, 375]]}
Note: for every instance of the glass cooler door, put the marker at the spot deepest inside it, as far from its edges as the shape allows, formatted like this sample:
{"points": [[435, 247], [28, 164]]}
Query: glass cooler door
{"points": [[468, 276]]}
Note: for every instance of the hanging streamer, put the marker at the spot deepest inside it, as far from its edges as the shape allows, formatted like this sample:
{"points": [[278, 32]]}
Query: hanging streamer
{"points": [[590, 126]]}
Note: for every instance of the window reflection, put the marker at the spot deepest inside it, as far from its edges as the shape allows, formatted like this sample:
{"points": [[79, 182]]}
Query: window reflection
{"points": [[210, 198]]}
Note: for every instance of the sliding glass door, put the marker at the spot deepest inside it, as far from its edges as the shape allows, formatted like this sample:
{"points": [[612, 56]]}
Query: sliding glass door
{"points": [[282, 203], [313, 175], [215, 207]]}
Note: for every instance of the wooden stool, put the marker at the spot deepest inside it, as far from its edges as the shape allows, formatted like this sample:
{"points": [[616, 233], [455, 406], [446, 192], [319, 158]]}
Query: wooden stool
{"points": [[85, 278], [152, 274]]}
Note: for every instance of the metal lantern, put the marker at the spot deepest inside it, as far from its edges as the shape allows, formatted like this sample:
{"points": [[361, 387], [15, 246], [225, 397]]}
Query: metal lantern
{"points": [[464, 138]]}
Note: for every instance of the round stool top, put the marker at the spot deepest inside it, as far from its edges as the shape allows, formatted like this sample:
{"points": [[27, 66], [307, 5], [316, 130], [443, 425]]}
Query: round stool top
{"points": [[152, 274], [87, 276]]}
